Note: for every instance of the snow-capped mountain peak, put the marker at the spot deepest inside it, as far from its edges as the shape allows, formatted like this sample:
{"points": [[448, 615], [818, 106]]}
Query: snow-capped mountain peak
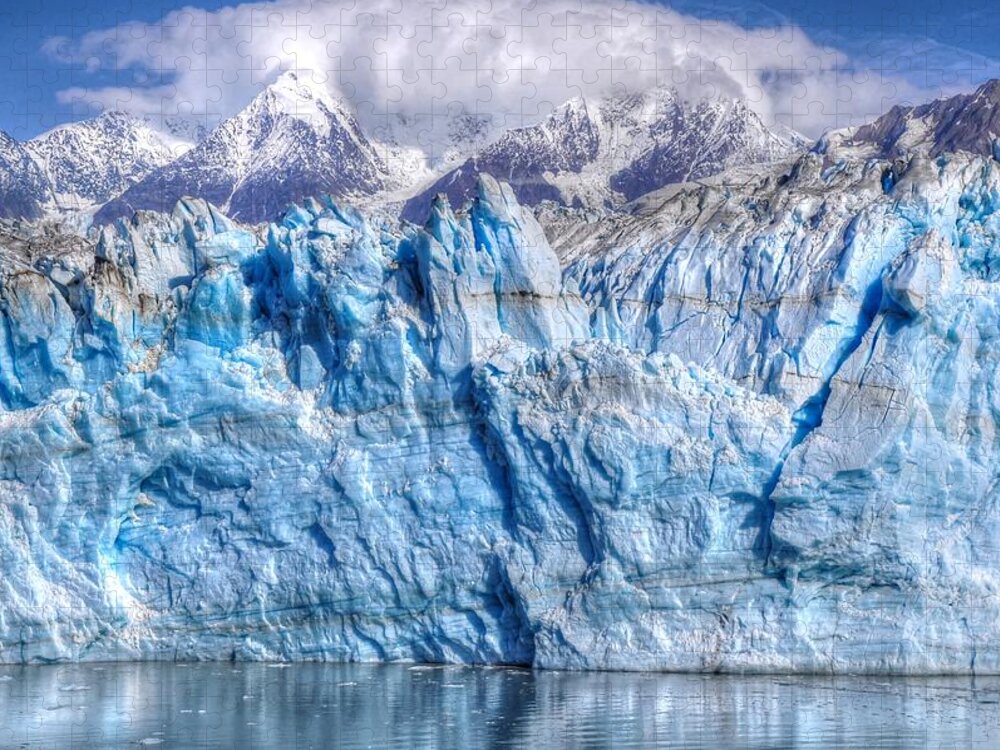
{"points": [[92, 161], [292, 97], [293, 140], [295, 98], [301, 96], [297, 139]]}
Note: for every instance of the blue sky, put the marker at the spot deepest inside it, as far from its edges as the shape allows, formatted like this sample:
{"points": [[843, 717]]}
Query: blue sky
{"points": [[30, 77], [61, 60]]}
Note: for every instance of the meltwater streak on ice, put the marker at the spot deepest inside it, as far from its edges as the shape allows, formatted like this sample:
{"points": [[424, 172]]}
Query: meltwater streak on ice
{"points": [[751, 426], [110, 706]]}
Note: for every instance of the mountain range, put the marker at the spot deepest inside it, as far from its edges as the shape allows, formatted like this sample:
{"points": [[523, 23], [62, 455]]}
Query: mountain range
{"points": [[611, 151], [296, 140]]}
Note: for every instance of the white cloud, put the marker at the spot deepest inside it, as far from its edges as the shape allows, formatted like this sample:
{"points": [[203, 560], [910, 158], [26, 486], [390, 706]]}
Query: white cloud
{"points": [[483, 55]]}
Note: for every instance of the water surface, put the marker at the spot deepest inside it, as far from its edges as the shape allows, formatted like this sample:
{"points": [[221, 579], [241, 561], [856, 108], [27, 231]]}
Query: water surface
{"points": [[359, 706]]}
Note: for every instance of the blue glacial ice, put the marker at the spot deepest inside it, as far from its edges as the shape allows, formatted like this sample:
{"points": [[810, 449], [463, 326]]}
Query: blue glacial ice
{"points": [[742, 428]]}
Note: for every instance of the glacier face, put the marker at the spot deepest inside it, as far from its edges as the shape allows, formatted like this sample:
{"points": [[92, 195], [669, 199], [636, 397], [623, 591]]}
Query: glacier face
{"points": [[748, 426]]}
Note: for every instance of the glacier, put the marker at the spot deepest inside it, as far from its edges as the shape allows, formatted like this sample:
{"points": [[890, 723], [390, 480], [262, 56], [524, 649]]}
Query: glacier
{"points": [[748, 425]]}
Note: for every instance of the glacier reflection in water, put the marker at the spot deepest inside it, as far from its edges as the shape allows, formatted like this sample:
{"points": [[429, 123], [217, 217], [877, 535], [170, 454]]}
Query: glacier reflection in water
{"points": [[346, 706]]}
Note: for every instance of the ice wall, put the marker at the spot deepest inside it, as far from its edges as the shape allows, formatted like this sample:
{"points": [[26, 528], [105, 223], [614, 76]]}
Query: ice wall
{"points": [[748, 429]]}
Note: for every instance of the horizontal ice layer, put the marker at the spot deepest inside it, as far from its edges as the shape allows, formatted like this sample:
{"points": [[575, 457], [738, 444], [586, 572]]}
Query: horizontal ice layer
{"points": [[747, 428]]}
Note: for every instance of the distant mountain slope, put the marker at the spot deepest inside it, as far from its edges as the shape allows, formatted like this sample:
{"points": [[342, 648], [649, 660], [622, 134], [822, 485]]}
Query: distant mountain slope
{"points": [[24, 188], [596, 153], [292, 141], [967, 122]]}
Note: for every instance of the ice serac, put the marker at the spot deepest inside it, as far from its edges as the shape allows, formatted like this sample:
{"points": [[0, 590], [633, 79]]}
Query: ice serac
{"points": [[748, 425]]}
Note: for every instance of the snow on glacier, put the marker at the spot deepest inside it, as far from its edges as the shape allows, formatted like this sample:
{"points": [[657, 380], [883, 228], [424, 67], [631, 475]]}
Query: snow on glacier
{"points": [[748, 426]]}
